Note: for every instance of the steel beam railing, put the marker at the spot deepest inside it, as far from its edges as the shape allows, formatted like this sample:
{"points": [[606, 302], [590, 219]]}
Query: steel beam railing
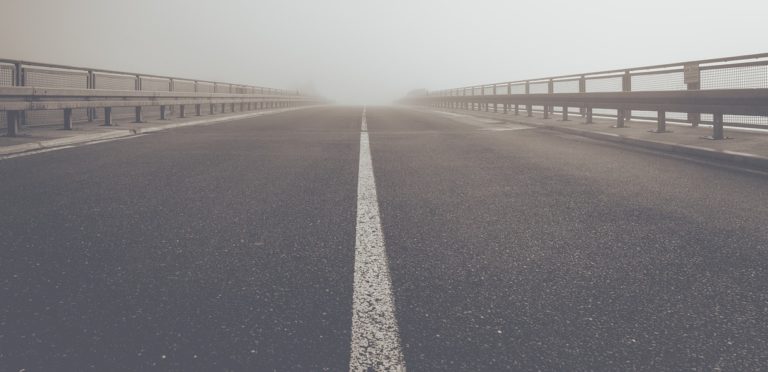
{"points": [[33, 87], [723, 91]]}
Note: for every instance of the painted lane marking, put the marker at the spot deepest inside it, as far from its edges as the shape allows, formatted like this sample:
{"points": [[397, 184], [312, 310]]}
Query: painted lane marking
{"points": [[34, 152], [375, 334]]}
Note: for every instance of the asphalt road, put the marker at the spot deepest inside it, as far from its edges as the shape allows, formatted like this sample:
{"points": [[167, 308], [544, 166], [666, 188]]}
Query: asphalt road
{"points": [[231, 247]]}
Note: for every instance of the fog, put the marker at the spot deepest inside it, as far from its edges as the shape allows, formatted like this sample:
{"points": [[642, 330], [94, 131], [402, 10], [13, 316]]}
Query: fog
{"points": [[374, 51]]}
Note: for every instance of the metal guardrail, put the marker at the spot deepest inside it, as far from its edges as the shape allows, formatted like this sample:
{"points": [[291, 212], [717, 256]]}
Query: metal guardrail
{"points": [[731, 91], [42, 93]]}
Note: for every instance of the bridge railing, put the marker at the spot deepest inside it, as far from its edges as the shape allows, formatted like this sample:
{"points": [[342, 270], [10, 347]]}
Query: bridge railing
{"points": [[33, 93], [720, 92]]}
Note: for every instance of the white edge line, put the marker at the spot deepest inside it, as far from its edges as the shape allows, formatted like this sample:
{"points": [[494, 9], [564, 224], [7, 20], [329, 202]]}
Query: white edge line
{"points": [[42, 148]]}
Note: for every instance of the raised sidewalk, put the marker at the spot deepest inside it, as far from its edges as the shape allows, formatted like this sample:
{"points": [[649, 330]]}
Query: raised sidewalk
{"points": [[744, 146]]}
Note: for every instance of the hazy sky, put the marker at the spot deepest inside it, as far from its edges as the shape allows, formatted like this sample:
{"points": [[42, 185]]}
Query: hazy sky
{"points": [[374, 51]]}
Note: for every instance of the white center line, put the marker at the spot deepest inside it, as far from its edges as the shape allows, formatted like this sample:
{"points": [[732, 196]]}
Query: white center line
{"points": [[375, 335]]}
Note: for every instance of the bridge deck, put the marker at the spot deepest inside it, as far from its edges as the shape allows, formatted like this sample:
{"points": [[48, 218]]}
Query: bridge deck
{"points": [[232, 247]]}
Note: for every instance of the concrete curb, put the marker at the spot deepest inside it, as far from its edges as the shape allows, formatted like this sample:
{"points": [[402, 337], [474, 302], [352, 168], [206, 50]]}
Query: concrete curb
{"points": [[750, 160], [118, 133]]}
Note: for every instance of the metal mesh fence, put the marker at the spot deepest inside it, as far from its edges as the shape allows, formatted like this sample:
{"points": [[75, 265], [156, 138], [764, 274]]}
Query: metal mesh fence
{"points": [[6, 75], [568, 86], [517, 88], [155, 84], [53, 78], [660, 81], [205, 87], [183, 86], [6, 79], [736, 77], [539, 87], [603, 84], [37, 77], [222, 88], [114, 82]]}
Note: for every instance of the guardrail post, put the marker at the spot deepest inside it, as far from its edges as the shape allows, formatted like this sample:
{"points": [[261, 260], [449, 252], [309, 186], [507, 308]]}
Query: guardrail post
{"points": [[162, 113], [68, 119], [495, 105], [198, 109], [551, 90], [211, 109], [626, 86], [107, 116], [91, 112], [589, 115], [528, 107], [565, 113], [582, 89], [223, 108], [21, 118], [509, 92], [619, 118], [717, 127], [181, 111], [661, 123], [12, 117], [692, 80], [138, 110], [139, 117]]}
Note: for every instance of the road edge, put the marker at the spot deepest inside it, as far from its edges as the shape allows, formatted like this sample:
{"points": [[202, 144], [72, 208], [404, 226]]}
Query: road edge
{"points": [[737, 158], [120, 133]]}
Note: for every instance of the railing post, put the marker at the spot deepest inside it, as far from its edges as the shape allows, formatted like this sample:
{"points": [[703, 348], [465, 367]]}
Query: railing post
{"points": [[107, 116], [139, 116], [68, 119], [211, 109], [528, 107], [495, 105], [717, 127], [589, 115], [138, 110], [661, 123], [485, 103], [181, 111], [692, 80], [21, 118], [12, 117], [509, 92], [565, 113], [162, 113], [551, 90], [626, 86], [582, 89], [619, 118], [91, 112], [198, 108]]}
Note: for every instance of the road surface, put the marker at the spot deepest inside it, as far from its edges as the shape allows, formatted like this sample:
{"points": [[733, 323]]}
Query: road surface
{"points": [[499, 247]]}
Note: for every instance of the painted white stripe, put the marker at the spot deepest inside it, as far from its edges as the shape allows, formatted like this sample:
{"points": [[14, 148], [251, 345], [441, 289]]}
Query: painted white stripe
{"points": [[375, 335], [35, 152]]}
